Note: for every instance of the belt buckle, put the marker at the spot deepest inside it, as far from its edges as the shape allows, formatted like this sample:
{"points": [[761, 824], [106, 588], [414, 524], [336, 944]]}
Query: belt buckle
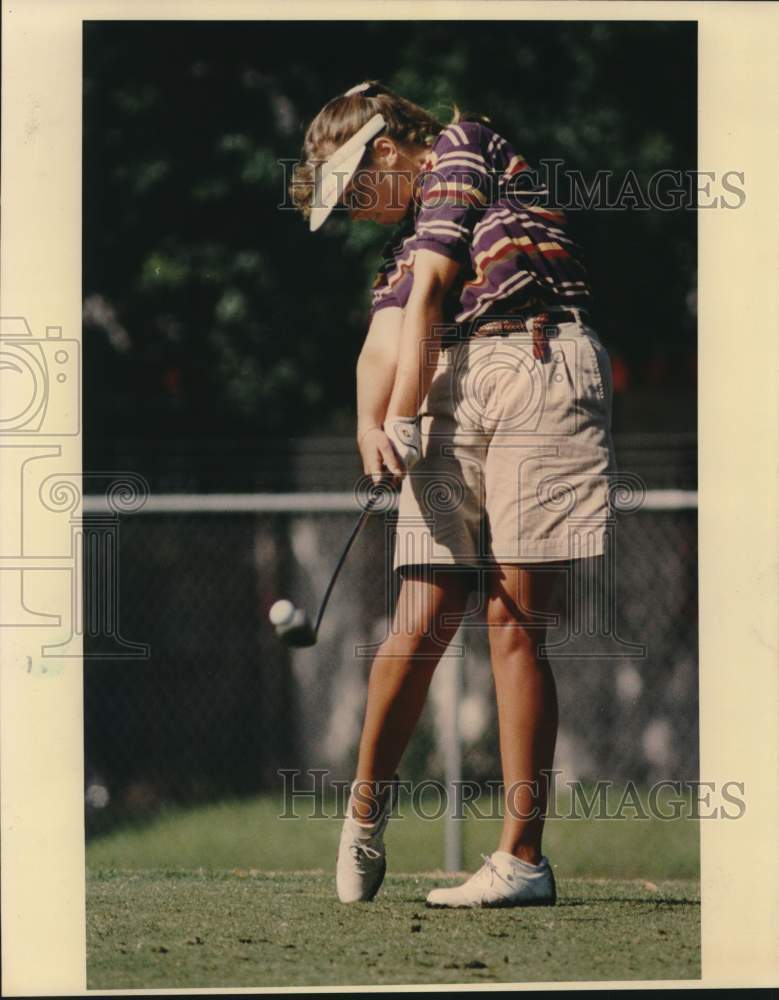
{"points": [[542, 329]]}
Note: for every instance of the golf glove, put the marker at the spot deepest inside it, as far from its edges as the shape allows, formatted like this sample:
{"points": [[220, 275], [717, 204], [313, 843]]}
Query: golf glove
{"points": [[406, 439]]}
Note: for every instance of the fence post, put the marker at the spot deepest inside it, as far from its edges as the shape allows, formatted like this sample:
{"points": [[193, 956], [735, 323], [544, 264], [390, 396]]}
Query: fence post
{"points": [[451, 749]]}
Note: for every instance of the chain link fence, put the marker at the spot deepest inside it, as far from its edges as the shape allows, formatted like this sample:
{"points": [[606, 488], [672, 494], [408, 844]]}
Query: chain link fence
{"points": [[219, 705]]}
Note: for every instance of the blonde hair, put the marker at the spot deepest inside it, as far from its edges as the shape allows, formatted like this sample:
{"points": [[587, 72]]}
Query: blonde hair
{"points": [[341, 117]]}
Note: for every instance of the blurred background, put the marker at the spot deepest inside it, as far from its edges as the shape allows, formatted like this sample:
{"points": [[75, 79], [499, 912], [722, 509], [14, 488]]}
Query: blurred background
{"points": [[220, 340]]}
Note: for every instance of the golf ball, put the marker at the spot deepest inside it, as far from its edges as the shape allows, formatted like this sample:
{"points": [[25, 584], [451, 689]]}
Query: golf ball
{"points": [[281, 613]]}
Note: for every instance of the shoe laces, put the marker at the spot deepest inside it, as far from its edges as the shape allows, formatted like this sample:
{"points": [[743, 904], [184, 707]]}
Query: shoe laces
{"points": [[490, 866], [364, 852]]}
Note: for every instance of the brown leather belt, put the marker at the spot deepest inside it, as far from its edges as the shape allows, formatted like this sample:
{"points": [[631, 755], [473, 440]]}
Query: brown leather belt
{"points": [[513, 324], [541, 324]]}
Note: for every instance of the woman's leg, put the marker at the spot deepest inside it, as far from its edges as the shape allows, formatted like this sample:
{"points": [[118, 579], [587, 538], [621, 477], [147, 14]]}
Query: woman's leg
{"points": [[401, 674], [527, 702]]}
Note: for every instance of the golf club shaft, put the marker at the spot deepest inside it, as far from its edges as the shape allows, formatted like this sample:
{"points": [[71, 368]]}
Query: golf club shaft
{"points": [[355, 532]]}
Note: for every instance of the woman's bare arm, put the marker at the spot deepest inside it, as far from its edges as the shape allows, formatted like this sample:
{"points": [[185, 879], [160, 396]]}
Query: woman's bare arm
{"points": [[433, 276], [376, 368]]}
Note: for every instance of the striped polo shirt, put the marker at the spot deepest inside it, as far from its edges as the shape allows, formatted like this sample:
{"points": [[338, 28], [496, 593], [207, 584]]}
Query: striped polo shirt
{"points": [[471, 204]]}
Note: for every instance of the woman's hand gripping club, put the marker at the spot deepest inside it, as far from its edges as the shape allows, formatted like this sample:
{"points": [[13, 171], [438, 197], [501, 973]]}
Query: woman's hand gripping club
{"points": [[391, 450]]}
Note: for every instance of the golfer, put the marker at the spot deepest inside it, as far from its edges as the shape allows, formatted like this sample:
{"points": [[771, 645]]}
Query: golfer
{"points": [[484, 391]]}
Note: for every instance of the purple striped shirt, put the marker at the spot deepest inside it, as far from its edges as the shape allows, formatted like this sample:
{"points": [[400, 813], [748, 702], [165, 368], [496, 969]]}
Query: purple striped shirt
{"points": [[471, 205]]}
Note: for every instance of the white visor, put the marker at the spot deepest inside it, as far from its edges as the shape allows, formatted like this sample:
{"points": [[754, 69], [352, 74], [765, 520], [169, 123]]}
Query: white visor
{"points": [[334, 173]]}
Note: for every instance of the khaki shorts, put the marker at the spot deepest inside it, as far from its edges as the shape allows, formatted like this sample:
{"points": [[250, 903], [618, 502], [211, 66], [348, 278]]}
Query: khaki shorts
{"points": [[517, 455]]}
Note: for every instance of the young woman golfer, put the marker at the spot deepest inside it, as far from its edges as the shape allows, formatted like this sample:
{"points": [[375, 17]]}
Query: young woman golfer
{"points": [[485, 393]]}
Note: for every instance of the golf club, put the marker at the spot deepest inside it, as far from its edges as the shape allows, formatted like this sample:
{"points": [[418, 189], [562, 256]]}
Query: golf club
{"points": [[292, 624]]}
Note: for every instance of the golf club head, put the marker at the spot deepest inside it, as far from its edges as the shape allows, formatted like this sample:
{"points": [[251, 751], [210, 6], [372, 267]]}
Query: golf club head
{"points": [[298, 631]]}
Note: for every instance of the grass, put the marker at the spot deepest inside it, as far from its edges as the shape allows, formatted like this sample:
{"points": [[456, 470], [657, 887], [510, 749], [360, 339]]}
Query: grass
{"points": [[162, 929], [249, 834], [232, 896]]}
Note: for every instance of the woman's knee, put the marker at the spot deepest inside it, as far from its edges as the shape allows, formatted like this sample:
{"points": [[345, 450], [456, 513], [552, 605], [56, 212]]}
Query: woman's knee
{"points": [[419, 641], [509, 632], [428, 610]]}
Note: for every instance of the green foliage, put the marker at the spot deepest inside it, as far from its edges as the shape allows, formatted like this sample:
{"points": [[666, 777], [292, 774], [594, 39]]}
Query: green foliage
{"points": [[239, 319]]}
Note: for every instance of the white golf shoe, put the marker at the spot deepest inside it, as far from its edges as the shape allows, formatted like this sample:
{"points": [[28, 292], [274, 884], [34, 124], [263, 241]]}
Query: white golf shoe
{"points": [[361, 861], [502, 880]]}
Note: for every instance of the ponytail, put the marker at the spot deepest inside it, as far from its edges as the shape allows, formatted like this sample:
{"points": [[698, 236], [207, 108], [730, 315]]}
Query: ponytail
{"points": [[459, 115]]}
